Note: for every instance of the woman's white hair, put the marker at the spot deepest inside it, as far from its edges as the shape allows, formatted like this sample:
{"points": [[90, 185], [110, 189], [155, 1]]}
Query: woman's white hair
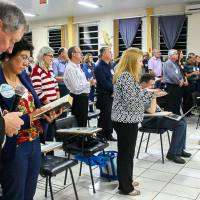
{"points": [[42, 52]]}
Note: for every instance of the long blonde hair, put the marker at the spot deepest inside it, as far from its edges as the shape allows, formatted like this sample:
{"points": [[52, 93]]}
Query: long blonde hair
{"points": [[129, 62]]}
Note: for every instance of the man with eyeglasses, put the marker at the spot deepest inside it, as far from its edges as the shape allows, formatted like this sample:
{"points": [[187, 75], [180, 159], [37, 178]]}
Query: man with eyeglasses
{"points": [[75, 80], [176, 152], [12, 28]]}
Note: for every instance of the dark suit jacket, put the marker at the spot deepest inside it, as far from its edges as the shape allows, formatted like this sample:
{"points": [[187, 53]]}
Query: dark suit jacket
{"points": [[6, 104]]}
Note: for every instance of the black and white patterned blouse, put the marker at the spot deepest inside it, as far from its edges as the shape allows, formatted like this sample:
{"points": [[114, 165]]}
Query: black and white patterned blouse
{"points": [[129, 100]]}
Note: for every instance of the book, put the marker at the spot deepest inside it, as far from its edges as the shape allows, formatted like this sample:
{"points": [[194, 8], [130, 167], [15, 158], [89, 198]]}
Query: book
{"points": [[63, 102]]}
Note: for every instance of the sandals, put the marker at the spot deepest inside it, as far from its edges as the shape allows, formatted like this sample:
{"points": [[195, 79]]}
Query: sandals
{"points": [[134, 193], [135, 184]]}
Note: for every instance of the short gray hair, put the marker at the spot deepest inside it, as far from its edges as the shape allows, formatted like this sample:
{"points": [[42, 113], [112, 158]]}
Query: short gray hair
{"points": [[42, 52], [171, 52], [11, 16]]}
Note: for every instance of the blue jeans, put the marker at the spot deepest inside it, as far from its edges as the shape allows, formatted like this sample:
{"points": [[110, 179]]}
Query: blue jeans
{"points": [[19, 176], [178, 129]]}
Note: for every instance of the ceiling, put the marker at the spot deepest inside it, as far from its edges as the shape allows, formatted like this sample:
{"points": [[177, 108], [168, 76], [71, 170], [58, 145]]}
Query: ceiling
{"points": [[64, 8]]}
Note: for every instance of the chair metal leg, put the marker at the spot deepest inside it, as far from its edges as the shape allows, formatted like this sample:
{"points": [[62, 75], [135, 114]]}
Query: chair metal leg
{"points": [[147, 143], [74, 186], [161, 143], [51, 190], [168, 138], [65, 180], [91, 175], [107, 168], [80, 170], [140, 145], [88, 123], [198, 122], [46, 186]]}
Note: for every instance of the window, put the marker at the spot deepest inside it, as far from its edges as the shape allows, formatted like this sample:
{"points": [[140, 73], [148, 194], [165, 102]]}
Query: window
{"points": [[55, 39], [137, 42], [88, 39], [180, 44], [28, 36]]}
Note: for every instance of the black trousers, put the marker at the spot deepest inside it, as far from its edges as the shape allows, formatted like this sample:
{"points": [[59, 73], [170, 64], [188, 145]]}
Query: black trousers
{"points": [[80, 108], [104, 103], [174, 98], [126, 141]]}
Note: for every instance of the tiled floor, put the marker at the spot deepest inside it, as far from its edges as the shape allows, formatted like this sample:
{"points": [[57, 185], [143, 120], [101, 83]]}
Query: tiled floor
{"points": [[158, 181]]}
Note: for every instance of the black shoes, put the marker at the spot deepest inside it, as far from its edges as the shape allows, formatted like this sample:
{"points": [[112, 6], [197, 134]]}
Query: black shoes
{"points": [[186, 154], [111, 138], [175, 158]]}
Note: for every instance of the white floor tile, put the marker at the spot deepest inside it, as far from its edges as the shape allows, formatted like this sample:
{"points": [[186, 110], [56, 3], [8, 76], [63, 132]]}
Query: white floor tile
{"points": [[182, 191], [187, 181], [163, 196], [190, 172], [168, 166], [157, 175], [150, 184], [85, 194], [143, 163], [193, 164]]}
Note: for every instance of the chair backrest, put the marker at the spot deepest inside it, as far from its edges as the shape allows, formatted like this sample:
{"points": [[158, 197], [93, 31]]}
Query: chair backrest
{"points": [[66, 122]]}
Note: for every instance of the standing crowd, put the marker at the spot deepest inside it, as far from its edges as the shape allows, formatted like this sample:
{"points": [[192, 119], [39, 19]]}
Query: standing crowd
{"points": [[123, 92]]}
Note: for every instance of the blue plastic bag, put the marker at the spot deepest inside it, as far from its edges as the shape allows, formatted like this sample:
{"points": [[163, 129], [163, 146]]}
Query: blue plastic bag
{"points": [[109, 170]]}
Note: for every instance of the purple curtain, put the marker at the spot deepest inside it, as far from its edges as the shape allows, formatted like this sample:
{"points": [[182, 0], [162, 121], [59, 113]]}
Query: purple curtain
{"points": [[128, 29], [171, 27]]}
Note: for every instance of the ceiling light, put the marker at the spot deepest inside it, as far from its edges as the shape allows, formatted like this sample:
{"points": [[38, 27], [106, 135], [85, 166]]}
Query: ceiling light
{"points": [[88, 4], [29, 15]]}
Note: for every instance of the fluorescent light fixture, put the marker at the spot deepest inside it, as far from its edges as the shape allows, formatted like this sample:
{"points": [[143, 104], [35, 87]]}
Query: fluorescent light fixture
{"points": [[88, 4], [29, 15]]}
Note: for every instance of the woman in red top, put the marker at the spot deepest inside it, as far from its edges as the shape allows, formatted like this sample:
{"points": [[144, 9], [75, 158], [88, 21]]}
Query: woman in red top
{"points": [[45, 83]]}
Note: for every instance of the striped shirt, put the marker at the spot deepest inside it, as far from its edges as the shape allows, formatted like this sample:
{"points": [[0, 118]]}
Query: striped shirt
{"points": [[44, 84], [75, 79]]}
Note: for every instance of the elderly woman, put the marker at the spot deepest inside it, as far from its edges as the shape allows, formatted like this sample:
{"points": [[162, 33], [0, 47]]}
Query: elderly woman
{"points": [[44, 83], [21, 153]]}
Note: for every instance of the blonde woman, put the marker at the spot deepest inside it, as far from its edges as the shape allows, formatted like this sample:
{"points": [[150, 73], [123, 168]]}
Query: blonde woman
{"points": [[127, 112]]}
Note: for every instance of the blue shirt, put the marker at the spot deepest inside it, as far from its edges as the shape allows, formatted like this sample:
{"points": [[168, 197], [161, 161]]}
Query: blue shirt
{"points": [[88, 70], [104, 77], [59, 67], [172, 73]]}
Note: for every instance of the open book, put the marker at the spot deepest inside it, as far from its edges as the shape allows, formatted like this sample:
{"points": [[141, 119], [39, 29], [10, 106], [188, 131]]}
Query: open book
{"points": [[65, 102]]}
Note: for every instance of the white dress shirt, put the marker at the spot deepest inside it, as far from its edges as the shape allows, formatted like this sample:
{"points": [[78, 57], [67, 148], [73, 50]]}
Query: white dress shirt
{"points": [[75, 80]]}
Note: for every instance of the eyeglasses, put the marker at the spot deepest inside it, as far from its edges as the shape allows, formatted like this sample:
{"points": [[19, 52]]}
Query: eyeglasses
{"points": [[24, 58], [49, 55], [79, 53]]}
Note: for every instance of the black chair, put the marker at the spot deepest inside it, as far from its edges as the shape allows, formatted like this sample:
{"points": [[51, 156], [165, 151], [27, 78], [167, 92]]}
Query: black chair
{"points": [[53, 165], [74, 145], [154, 131]]}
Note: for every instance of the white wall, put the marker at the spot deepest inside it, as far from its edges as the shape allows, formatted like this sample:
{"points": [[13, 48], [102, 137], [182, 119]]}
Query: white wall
{"points": [[40, 32], [193, 43]]}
